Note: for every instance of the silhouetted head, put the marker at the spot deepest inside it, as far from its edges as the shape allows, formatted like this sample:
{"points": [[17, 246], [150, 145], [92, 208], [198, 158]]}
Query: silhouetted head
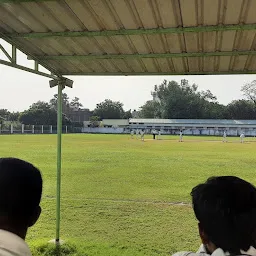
{"points": [[20, 195], [226, 210]]}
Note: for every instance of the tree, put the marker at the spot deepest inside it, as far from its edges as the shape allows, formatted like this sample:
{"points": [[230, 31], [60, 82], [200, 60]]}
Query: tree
{"points": [[14, 116], [249, 91], [95, 121], [151, 109], [75, 103], [4, 114], [241, 109], [8, 116], [174, 100], [127, 114], [109, 109], [41, 113], [65, 102]]}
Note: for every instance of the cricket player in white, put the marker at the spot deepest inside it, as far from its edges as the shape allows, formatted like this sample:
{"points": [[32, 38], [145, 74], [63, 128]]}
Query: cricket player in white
{"points": [[132, 133], [159, 135], [142, 135], [137, 134], [181, 136], [224, 137], [242, 138]]}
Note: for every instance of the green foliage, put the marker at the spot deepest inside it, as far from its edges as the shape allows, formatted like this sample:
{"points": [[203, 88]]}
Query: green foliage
{"points": [[65, 102], [75, 103], [249, 91], [40, 113], [14, 116], [173, 100], [4, 114], [8, 116], [109, 109], [241, 109], [94, 118], [127, 114], [151, 109], [95, 121], [117, 192]]}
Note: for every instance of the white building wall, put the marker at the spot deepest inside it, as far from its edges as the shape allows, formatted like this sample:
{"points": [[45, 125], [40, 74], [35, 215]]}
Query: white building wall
{"points": [[197, 131]]}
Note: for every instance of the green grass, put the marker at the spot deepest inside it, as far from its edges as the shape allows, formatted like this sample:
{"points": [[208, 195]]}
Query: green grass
{"points": [[117, 192]]}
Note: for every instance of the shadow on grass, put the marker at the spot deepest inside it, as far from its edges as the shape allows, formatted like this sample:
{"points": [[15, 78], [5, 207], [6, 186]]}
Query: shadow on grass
{"points": [[49, 249], [39, 248]]}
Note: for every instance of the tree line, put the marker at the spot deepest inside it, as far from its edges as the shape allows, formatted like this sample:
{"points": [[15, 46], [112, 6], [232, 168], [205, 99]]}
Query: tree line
{"points": [[170, 100], [42, 112], [184, 100], [45, 113]]}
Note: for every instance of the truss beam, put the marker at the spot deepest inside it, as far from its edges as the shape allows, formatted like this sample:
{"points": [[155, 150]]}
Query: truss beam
{"points": [[12, 62], [148, 55], [14, 65], [5, 53], [15, 45], [141, 31], [22, 1]]}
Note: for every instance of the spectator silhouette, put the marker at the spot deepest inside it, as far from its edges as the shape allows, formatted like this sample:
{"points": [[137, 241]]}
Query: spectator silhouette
{"points": [[20, 195], [225, 208]]}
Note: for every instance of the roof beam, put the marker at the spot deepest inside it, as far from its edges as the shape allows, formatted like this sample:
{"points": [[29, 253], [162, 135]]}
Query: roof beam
{"points": [[21, 48], [142, 31], [159, 73], [14, 65], [21, 1], [147, 55]]}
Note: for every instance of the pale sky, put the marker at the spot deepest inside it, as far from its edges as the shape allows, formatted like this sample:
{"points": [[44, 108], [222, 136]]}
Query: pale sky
{"points": [[19, 89]]}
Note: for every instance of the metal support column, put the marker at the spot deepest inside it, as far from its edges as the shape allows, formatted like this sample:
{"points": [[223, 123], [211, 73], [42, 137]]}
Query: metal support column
{"points": [[61, 83], [59, 132]]}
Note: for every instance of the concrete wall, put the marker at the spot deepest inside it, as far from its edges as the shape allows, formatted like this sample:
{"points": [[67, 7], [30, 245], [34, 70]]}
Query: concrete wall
{"points": [[103, 130]]}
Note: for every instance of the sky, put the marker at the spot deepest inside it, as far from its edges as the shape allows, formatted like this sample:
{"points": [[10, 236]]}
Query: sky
{"points": [[19, 89]]}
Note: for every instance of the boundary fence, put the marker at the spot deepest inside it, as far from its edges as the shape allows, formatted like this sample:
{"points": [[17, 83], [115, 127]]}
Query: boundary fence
{"points": [[37, 129]]}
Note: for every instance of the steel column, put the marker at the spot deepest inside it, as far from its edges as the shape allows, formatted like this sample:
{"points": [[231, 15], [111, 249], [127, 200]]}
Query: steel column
{"points": [[59, 137]]}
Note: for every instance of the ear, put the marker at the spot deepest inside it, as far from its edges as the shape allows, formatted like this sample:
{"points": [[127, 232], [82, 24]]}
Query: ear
{"points": [[35, 216], [202, 234]]}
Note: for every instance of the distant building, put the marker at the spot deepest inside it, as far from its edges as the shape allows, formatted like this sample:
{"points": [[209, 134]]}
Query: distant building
{"points": [[114, 123], [214, 127], [79, 114], [196, 126]]}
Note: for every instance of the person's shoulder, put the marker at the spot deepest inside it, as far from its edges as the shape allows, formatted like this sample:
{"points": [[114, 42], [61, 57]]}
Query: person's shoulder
{"points": [[189, 254], [200, 252]]}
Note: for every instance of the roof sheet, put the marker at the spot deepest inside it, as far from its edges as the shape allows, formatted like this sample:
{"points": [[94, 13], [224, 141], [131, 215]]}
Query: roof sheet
{"points": [[99, 37]]}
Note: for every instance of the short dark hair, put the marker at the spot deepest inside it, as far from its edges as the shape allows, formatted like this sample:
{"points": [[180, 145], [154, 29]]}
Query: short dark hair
{"points": [[225, 206], [20, 188]]}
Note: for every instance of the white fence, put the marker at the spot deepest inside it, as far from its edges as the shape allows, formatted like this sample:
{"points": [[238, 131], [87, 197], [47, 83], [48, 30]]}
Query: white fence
{"points": [[37, 129], [52, 129]]}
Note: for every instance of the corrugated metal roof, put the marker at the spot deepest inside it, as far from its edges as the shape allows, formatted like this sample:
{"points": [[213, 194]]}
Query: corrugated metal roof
{"points": [[192, 121], [100, 37]]}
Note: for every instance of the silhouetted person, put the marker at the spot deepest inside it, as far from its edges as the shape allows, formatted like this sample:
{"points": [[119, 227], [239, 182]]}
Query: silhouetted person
{"points": [[20, 196], [225, 208]]}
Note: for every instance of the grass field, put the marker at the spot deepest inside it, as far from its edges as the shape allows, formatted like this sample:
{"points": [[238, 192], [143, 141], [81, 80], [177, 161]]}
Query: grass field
{"points": [[118, 193]]}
